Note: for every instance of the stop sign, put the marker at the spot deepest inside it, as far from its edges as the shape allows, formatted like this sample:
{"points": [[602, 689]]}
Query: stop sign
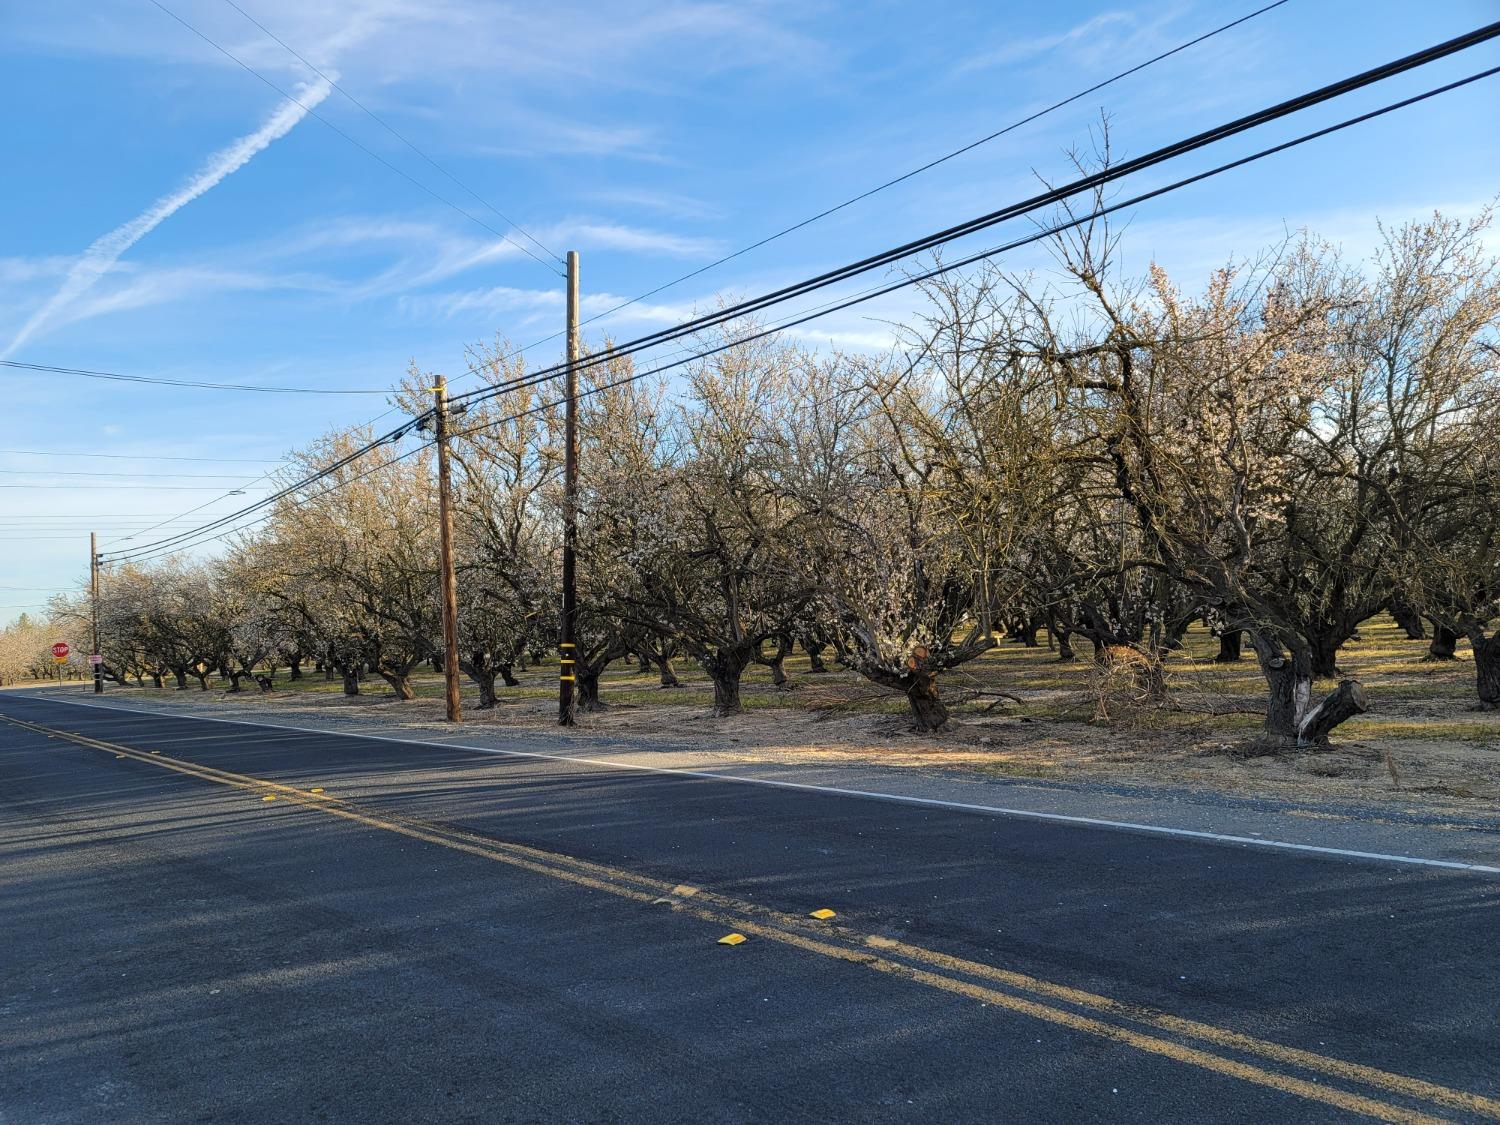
{"points": [[60, 650]]}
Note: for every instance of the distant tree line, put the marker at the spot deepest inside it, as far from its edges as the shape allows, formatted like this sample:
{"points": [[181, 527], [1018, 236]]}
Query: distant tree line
{"points": [[1306, 443]]}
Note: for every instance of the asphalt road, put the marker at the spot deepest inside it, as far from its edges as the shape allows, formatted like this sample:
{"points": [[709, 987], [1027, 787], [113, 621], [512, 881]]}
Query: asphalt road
{"points": [[408, 933]]}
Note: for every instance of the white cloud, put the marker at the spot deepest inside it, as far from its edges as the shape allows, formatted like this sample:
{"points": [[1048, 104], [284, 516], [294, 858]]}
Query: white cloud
{"points": [[536, 304], [670, 203], [101, 256], [1018, 50], [613, 236]]}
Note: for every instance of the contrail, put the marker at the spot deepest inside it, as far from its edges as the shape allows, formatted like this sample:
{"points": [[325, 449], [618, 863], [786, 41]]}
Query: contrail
{"points": [[105, 251]]}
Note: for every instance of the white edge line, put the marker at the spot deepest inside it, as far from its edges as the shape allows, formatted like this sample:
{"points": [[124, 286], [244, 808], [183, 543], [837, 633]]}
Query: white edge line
{"points": [[931, 802]]}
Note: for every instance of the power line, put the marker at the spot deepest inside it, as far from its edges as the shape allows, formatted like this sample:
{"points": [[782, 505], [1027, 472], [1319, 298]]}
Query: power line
{"points": [[771, 238], [147, 485], [89, 374], [137, 475], [1086, 183], [373, 116], [224, 534], [971, 259], [391, 435], [136, 456], [892, 182], [931, 163], [946, 268], [371, 153], [1051, 196]]}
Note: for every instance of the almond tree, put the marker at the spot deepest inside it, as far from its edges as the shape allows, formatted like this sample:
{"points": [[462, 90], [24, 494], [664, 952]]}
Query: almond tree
{"points": [[711, 566], [357, 555]]}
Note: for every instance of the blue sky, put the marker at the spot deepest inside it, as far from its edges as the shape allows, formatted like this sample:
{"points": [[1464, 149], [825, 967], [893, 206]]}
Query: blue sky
{"points": [[167, 213]]}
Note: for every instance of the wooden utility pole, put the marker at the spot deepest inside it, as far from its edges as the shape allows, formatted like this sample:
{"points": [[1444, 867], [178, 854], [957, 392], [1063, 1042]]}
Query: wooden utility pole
{"points": [[98, 667], [445, 535], [567, 643]]}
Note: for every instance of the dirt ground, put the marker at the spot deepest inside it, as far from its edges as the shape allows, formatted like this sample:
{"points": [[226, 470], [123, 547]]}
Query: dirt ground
{"points": [[1021, 712]]}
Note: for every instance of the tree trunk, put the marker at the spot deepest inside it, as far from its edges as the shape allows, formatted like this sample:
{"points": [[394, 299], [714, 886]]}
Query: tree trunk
{"points": [[296, 666], [202, 678], [1444, 643], [668, 674], [1409, 620], [662, 662], [1487, 669], [486, 682], [1325, 652], [814, 650], [507, 676], [400, 683], [180, 674], [586, 689], [1177, 630], [1230, 642], [776, 661], [350, 678], [922, 695], [1289, 688], [1349, 700], [234, 678], [156, 681], [725, 669], [727, 694], [1064, 644]]}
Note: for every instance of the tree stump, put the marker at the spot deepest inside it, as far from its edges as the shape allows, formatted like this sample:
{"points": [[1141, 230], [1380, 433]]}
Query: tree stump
{"points": [[1344, 703]]}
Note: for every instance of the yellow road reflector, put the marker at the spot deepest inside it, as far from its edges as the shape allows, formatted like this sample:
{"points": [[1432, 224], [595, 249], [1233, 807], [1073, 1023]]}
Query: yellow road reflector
{"points": [[731, 939], [156, 751], [119, 755], [269, 797], [319, 789], [823, 915]]}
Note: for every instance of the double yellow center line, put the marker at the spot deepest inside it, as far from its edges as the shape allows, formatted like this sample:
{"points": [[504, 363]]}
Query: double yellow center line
{"points": [[1190, 1042]]}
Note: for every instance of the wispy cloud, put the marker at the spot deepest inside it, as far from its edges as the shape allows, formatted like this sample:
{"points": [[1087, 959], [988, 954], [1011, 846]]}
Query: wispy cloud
{"points": [[1021, 49], [664, 202], [613, 236], [101, 256], [535, 304]]}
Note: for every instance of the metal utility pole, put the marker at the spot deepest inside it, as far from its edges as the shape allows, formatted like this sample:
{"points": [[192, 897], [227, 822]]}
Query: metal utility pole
{"points": [[567, 643], [94, 613], [445, 530]]}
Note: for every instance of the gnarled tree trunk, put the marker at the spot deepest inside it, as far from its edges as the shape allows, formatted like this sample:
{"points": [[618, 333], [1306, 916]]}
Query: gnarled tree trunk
{"points": [[777, 660], [1409, 620], [1064, 644], [725, 668], [1291, 722], [1230, 646], [1324, 655], [1289, 690], [400, 681], [1444, 644], [814, 649], [486, 683]]}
